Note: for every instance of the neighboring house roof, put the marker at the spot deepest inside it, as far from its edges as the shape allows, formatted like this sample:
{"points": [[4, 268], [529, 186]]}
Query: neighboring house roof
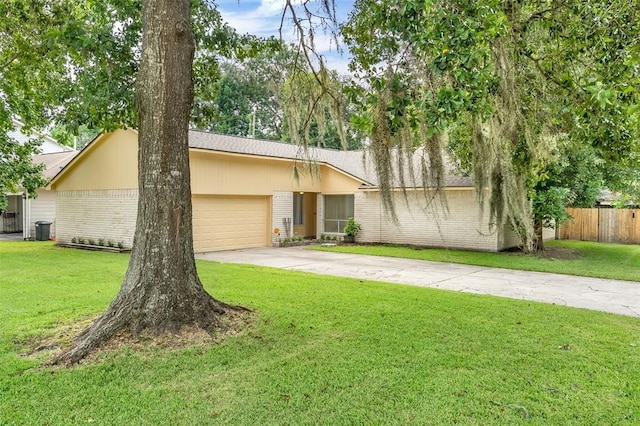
{"points": [[609, 198], [606, 197], [54, 162], [48, 146]]}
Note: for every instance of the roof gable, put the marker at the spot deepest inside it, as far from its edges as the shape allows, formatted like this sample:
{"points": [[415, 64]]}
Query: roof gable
{"points": [[109, 161]]}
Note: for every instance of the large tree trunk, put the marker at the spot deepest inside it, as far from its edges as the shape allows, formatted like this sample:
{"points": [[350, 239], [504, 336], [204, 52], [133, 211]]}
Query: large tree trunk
{"points": [[161, 291]]}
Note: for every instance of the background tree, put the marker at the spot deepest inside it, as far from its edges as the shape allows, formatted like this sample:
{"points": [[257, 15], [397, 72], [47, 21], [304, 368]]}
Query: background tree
{"points": [[72, 65], [247, 96], [29, 65], [315, 111], [273, 96], [17, 171], [510, 77], [572, 178], [83, 135]]}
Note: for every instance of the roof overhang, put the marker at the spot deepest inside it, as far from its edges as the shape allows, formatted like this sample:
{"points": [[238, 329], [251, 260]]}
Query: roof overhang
{"points": [[374, 188]]}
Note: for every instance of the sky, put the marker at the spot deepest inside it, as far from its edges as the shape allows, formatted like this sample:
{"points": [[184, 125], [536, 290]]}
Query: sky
{"points": [[262, 18]]}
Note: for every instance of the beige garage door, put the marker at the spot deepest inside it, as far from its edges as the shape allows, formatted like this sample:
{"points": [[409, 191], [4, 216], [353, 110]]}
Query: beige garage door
{"points": [[224, 223]]}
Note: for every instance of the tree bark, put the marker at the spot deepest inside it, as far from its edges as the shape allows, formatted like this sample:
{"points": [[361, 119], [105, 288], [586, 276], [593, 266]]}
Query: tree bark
{"points": [[538, 244], [161, 291]]}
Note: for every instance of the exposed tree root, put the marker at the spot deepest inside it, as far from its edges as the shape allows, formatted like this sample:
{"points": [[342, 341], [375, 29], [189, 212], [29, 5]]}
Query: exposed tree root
{"points": [[135, 316]]}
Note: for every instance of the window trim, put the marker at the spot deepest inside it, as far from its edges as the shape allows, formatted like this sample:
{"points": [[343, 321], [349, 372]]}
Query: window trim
{"points": [[338, 222]]}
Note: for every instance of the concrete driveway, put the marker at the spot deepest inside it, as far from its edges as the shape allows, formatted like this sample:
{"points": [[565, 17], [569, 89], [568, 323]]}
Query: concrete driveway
{"points": [[16, 236], [619, 297]]}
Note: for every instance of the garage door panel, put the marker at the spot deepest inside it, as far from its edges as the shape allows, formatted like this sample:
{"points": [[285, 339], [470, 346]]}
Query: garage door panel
{"points": [[224, 223]]}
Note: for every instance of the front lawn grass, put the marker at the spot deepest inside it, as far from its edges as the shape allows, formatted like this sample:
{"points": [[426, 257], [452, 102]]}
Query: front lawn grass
{"points": [[323, 350], [588, 259]]}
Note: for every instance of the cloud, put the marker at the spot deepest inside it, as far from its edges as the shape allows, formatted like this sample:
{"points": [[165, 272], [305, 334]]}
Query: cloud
{"points": [[262, 18], [254, 17], [259, 19]]}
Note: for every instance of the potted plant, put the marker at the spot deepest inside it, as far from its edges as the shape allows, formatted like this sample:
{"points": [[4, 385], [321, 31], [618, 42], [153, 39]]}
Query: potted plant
{"points": [[351, 230]]}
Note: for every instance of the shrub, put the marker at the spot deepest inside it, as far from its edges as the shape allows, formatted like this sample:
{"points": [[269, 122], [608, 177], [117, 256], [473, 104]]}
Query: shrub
{"points": [[352, 227]]}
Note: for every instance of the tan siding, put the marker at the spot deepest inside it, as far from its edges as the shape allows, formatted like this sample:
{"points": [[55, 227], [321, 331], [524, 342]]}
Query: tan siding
{"points": [[108, 214], [219, 173], [224, 223], [111, 163], [461, 227], [335, 182], [108, 163]]}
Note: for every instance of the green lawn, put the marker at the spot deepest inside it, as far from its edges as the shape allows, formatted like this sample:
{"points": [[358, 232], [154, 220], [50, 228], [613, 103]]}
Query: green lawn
{"points": [[615, 261], [324, 350]]}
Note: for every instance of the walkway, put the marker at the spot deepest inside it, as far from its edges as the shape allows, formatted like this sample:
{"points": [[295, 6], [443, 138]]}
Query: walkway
{"points": [[15, 236], [619, 297]]}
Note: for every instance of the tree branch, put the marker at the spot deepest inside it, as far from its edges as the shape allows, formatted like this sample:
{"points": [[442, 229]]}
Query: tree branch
{"points": [[9, 62]]}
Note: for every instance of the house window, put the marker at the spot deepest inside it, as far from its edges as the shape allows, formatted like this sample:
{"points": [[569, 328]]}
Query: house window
{"points": [[297, 208], [337, 210]]}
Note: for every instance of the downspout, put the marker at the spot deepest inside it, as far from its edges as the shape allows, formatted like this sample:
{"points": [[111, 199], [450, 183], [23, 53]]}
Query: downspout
{"points": [[26, 216]]}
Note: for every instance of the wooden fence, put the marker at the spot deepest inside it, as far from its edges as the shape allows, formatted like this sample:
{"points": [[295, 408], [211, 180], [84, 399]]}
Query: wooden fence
{"points": [[603, 225]]}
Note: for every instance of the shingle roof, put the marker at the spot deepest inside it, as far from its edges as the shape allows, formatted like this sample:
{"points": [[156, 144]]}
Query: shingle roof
{"points": [[349, 162], [355, 163], [55, 162]]}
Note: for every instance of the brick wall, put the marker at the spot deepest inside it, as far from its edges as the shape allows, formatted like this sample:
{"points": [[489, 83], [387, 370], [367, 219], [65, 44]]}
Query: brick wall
{"points": [[282, 208], [367, 210], [426, 223], [108, 214]]}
